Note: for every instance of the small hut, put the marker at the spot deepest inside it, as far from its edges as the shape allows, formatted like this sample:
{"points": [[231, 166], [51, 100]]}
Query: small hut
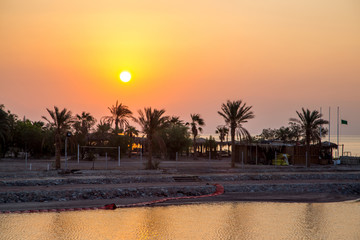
{"points": [[264, 153]]}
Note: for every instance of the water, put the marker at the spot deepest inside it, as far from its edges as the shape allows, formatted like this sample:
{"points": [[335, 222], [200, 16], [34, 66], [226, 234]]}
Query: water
{"points": [[253, 220], [351, 143]]}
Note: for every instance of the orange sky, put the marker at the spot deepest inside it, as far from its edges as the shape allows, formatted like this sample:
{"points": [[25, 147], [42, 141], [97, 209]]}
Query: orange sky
{"points": [[184, 56]]}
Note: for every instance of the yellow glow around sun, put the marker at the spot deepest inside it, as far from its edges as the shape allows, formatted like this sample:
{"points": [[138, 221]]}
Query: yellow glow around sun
{"points": [[125, 76]]}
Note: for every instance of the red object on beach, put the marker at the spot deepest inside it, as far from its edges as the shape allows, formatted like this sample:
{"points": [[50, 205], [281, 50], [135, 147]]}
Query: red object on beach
{"points": [[111, 206]]}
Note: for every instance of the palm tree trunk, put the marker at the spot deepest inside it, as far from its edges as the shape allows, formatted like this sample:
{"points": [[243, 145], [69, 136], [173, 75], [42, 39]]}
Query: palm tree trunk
{"points": [[194, 145], [320, 151], [149, 164], [308, 150], [57, 151], [232, 147], [308, 155], [116, 126], [221, 142]]}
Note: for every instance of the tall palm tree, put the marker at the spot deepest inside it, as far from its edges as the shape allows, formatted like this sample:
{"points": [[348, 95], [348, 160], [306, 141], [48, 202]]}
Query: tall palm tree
{"points": [[4, 128], [175, 120], [235, 113], [83, 124], [222, 131], [310, 123], [60, 121], [242, 132], [151, 122], [196, 126], [119, 115], [4, 123], [102, 133], [131, 132]]}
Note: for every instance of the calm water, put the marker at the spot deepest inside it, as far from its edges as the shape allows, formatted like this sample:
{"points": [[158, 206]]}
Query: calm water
{"points": [[201, 221], [351, 143]]}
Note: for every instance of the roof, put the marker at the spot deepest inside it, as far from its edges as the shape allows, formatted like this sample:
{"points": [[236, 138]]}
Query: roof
{"points": [[329, 144]]}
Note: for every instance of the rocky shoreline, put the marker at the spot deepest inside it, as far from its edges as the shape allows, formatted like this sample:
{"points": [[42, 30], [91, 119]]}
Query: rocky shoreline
{"points": [[172, 191], [92, 185]]}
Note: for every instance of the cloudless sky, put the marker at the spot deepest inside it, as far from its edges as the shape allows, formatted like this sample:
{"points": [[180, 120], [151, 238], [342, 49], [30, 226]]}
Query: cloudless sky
{"points": [[184, 56]]}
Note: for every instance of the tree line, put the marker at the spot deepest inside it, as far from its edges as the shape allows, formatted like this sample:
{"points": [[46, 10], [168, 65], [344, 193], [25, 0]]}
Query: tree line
{"points": [[163, 134]]}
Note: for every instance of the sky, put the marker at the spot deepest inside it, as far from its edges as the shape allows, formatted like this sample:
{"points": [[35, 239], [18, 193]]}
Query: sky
{"points": [[184, 56]]}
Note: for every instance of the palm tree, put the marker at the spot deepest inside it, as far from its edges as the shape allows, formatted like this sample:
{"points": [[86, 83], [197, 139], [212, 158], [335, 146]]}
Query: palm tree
{"points": [[235, 113], [196, 126], [102, 133], [283, 134], [83, 124], [4, 123], [175, 120], [242, 132], [151, 121], [310, 123], [295, 131], [119, 115], [60, 121], [131, 132], [4, 128], [222, 131]]}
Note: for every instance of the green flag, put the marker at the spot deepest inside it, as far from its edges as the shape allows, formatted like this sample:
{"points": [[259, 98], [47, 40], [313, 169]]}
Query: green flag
{"points": [[344, 122]]}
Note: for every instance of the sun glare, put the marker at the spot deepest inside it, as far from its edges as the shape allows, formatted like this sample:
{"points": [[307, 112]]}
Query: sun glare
{"points": [[125, 76]]}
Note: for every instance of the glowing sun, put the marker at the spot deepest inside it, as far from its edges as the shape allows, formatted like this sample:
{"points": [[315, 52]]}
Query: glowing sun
{"points": [[125, 76]]}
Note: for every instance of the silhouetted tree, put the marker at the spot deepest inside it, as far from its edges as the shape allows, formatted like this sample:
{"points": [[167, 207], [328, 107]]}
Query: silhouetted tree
{"points": [[131, 132], [310, 123], [119, 116], [223, 132], [176, 137], [235, 113], [60, 121], [4, 129], [151, 122], [82, 125], [102, 133], [196, 126], [29, 136]]}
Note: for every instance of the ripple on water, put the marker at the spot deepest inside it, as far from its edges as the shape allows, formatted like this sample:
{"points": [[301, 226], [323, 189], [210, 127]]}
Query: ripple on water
{"points": [[252, 220]]}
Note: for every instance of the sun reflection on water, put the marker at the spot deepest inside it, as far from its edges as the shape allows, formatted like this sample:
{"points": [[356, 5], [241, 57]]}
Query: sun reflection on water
{"points": [[255, 220]]}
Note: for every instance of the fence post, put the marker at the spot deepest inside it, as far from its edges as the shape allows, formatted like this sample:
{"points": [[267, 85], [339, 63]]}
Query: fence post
{"points": [[119, 156], [106, 161], [176, 162], [242, 159], [256, 154], [78, 154], [26, 161], [66, 153]]}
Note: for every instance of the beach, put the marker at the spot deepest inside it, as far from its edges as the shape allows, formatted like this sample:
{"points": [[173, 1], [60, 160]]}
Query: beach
{"points": [[128, 183]]}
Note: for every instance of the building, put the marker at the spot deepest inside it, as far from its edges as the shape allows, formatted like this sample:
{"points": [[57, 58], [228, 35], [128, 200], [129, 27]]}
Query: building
{"points": [[264, 153]]}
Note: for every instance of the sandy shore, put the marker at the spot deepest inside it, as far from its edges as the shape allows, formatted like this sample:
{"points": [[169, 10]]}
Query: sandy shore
{"points": [[226, 197], [131, 184]]}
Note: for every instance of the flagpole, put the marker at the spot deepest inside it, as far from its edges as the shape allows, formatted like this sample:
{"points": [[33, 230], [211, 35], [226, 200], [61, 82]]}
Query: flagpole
{"points": [[338, 154], [329, 125], [320, 125]]}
